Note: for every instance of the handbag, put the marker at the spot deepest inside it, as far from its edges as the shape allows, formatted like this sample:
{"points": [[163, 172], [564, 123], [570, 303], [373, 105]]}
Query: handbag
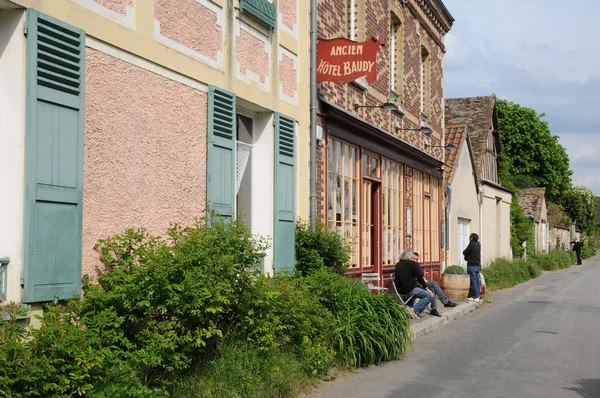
{"points": [[482, 280]]}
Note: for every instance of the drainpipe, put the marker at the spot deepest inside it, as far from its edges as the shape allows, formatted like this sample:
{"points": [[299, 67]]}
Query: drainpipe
{"points": [[447, 243], [313, 112], [480, 214]]}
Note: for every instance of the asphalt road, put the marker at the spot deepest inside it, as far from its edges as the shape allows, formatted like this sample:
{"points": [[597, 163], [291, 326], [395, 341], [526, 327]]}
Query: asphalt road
{"points": [[539, 339]]}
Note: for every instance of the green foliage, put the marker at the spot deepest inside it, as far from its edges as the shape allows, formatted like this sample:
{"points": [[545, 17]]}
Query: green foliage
{"points": [[556, 259], [521, 228], [530, 149], [557, 217], [588, 251], [522, 181], [245, 371], [580, 205], [455, 270], [369, 328], [191, 315], [320, 247], [174, 295], [67, 356], [503, 274], [282, 314]]}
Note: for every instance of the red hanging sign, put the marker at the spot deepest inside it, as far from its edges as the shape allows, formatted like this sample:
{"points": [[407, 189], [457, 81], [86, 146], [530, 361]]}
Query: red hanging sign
{"points": [[345, 60]]}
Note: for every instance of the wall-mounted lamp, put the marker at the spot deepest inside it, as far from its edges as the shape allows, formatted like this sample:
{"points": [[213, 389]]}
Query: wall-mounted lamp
{"points": [[423, 129], [390, 106], [449, 146]]}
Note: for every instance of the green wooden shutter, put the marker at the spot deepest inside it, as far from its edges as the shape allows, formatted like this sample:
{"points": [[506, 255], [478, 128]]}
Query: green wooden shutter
{"points": [[54, 158], [220, 190], [284, 228]]}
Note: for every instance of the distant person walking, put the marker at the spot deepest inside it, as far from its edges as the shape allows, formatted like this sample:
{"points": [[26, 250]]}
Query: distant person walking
{"points": [[577, 249], [473, 257]]}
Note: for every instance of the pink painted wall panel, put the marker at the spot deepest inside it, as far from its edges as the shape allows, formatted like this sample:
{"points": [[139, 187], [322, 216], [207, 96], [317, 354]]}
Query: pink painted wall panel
{"points": [[252, 56], [288, 9], [191, 24], [145, 152], [288, 76], [118, 6]]}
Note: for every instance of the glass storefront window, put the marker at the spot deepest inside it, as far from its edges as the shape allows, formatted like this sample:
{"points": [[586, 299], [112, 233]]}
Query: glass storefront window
{"points": [[342, 186], [392, 211]]}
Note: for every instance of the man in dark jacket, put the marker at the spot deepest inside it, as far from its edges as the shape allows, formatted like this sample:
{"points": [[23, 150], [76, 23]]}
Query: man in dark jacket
{"points": [[473, 257], [577, 249], [408, 278]]}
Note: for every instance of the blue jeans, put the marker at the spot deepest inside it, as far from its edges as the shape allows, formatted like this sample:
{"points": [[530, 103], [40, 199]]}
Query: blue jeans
{"points": [[473, 271], [424, 300], [437, 290]]}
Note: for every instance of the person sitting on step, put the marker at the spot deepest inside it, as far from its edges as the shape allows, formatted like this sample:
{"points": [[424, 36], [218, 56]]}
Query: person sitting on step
{"points": [[433, 285], [407, 278]]}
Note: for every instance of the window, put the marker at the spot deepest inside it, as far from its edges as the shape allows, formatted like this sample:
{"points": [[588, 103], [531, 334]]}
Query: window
{"points": [[343, 192], [425, 82], [417, 213], [392, 212], [396, 59], [352, 19]]}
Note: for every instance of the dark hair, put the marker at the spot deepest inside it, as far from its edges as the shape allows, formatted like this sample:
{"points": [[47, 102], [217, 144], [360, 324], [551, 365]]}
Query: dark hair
{"points": [[416, 254], [475, 237]]}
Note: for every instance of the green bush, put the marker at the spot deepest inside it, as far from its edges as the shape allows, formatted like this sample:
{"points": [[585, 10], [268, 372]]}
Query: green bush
{"points": [[281, 314], [556, 259], [588, 251], [369, 328], [455, 270], [174, 296], [245, 371], [320, 247], [68, 355]]}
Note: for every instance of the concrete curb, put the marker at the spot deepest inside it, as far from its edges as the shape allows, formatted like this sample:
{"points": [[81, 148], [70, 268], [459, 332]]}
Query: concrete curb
{"points": [[422, 327]]}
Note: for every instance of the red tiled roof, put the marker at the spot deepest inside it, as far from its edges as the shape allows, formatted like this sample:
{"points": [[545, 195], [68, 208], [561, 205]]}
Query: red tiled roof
{"points": [[455, 135]]}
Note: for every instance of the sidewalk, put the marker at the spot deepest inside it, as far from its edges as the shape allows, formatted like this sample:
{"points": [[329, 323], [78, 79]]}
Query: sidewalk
{"points": [[429, 323]]}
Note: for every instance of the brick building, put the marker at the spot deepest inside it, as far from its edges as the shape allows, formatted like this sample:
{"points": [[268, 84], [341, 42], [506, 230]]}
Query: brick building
{"points": [[379, 173]]}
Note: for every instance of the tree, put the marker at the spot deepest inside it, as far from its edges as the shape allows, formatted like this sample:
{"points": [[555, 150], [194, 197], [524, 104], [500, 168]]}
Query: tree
{"points": [[557, 217], [529, 149], [580, 205]]}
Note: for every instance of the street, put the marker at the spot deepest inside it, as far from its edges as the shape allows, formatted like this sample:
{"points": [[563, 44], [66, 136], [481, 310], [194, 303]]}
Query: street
{"points": [[539, 339]]}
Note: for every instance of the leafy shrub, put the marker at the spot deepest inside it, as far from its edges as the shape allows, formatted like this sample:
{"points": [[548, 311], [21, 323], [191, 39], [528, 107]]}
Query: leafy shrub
{"points": [[455, 270], [369, 328], [555, 259], [64, 357], [320, 247], [588, 251], [245, 371], [174, 296], [281, 314]]}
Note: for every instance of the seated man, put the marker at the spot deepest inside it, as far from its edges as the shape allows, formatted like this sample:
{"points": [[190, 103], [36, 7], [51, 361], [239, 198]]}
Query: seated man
{"points": [[433, 285], [407, 278]]}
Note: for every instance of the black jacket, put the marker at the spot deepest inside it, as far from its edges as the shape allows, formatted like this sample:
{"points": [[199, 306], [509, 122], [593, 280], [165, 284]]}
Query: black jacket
{"points": [[406, 275], [473, 253]]}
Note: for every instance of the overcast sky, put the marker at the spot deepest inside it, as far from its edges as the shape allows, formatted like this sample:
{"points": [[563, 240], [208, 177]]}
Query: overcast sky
{"points": [[543, 54]]}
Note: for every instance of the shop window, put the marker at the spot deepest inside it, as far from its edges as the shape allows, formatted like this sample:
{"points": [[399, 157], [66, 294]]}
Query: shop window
{"points": [[417, 213], [343, 193], [435, 220], [392, 220]]}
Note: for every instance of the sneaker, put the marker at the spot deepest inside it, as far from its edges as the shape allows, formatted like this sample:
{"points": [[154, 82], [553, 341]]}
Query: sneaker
{"points": [[435, 313], [449, 304], [474, 300]]}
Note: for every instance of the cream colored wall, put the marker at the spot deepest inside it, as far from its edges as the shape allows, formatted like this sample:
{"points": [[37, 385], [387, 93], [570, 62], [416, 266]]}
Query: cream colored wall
{"points": [[495, 236], [12, 145], [134, 31], [464, 202]]}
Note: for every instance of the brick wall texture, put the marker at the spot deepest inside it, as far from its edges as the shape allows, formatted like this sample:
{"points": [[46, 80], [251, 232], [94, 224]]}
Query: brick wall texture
{"points": [[332, 22]]}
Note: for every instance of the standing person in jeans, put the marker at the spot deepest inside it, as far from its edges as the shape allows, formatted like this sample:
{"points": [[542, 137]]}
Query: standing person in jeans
{"points": [[473, 257], [407, 278], [433, 285]]}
